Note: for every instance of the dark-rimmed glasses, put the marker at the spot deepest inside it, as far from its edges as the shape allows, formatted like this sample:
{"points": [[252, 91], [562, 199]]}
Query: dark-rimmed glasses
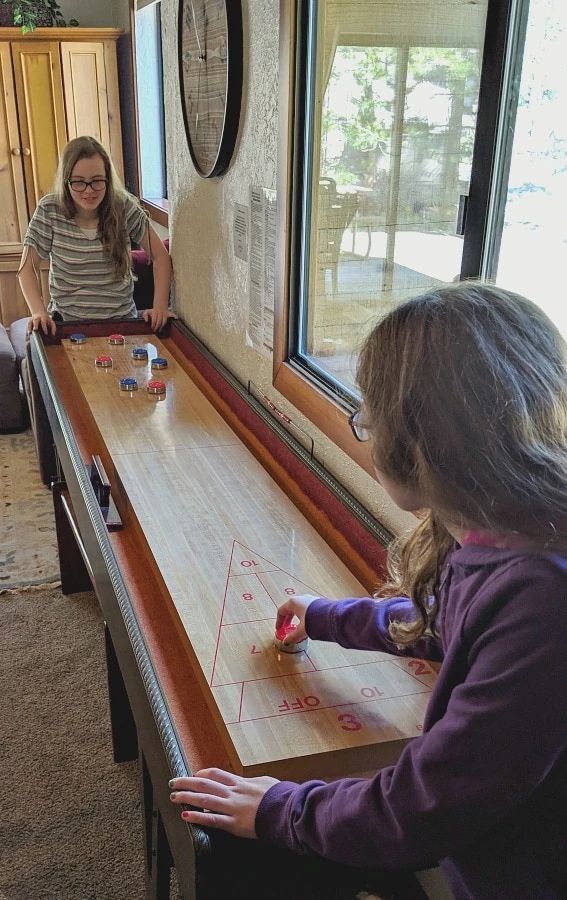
{"points": [[358, 428], [96, 184]]}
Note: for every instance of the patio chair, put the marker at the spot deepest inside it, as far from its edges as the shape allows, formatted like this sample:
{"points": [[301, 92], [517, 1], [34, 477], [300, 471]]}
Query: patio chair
{"points": [[335, 213]]}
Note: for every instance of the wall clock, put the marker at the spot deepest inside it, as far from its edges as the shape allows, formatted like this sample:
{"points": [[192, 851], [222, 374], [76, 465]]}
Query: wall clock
{"points": [[210, 70]]}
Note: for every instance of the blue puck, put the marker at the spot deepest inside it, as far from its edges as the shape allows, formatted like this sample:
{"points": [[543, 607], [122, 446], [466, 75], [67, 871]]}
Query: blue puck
{"points": [[78, 338], [128, 384], [159, 363], [140, 353]]}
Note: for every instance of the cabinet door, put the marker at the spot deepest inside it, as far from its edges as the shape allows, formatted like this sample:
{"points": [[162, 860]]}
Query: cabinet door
{"points": [[14, 218], [91, 94], [39, 90]]}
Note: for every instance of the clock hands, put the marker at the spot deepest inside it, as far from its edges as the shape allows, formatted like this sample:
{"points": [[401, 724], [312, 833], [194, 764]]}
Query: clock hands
{"points": [[202, 58], [202, 55], [197, 102], [205, 126]]}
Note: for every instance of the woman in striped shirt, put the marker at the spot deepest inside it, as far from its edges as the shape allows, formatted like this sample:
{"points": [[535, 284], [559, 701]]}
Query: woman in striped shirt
{"points": [[85, 228]]}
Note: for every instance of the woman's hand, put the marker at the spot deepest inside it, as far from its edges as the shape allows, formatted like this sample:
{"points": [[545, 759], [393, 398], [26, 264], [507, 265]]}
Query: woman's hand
{"points": [[41, 320], [157, 318], [226, 801], [295, 606]]}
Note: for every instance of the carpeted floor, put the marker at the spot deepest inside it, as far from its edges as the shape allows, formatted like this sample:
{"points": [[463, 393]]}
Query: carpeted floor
{"points": [[28, 547], [70, 827], [70, 821]]}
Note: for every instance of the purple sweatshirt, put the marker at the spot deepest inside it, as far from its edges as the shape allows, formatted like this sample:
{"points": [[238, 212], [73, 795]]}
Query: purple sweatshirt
{"points": [[483, 791]]}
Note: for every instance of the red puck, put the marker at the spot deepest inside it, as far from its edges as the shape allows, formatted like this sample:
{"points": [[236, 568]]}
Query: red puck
{"points": [[156, 387]]}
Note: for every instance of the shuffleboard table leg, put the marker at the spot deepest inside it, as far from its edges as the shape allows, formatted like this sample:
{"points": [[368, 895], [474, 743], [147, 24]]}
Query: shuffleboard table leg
{"points": [[122, 723], [75, 577], [158, 861]]}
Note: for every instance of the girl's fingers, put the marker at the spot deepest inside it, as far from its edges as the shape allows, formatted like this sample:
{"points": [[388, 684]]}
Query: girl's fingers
{"points": [[208, 820], [221, 800], [204, 801], [295, 606], [220, 775], [213, 780], [211, 789], [283, 618], [294, 637]]}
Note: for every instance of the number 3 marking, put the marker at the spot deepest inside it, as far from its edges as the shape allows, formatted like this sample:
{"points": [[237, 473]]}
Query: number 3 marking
{"points": [[352, 723]]}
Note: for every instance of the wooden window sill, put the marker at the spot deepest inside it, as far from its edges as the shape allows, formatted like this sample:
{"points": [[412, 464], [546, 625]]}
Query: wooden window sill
{"points": [[158, 210]]}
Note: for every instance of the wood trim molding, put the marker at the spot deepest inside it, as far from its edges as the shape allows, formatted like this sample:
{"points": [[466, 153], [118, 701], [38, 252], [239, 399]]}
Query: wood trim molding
{"points": [[324, 412], [157, 213], [8, 33], [135, 108]]}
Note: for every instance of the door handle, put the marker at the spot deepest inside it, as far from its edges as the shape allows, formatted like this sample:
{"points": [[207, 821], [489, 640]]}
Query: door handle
{"points": [[16, 151], [26, 151], [461, 214]]}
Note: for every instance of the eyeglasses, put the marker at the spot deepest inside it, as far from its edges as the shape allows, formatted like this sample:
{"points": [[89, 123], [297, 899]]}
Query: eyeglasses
{"points": [[80, 186], [359, 430]]}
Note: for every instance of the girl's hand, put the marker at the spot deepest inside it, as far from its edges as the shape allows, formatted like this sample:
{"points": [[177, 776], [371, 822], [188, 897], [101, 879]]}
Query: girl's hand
{"points": [[41, 320], [157, 317], [226, 801], [295, 606]]}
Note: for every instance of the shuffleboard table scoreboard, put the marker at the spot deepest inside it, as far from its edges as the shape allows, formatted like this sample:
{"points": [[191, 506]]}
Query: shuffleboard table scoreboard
{"points": [[192, 533]]}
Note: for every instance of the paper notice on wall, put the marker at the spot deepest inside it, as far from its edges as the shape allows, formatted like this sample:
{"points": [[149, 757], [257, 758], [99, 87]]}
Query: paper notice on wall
{"points": [[261, 269]]}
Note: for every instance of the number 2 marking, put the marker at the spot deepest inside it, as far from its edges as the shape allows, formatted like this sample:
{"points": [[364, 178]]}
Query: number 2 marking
{"points": [[420, 668]]}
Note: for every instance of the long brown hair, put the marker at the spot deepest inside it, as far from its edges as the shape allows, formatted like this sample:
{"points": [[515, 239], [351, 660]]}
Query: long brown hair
{"points": [[465, 395], [111, 230]]}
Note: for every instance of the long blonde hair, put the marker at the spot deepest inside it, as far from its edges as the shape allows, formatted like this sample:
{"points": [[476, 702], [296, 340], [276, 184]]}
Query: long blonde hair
{"points": [[465, 395], [111, 229]]}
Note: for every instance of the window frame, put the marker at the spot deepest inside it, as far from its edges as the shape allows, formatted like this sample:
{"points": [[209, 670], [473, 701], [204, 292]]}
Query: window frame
{"points": [[156, 207], [326, 407]]}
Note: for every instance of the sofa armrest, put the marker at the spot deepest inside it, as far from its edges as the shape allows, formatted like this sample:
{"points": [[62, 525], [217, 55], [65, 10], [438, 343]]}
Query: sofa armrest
{"points": [[19, 338], [144, 274], [13, 413]]}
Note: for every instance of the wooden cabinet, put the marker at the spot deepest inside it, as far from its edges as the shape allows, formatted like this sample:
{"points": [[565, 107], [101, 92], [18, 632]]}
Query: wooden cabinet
{"points": [[56, 84]]}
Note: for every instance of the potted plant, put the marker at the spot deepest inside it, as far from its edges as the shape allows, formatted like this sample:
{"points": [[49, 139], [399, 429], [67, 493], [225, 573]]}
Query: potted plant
{"points": [[30, 14]]}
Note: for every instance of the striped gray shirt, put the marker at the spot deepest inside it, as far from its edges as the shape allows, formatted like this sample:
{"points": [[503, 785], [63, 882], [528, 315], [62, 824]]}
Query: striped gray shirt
{"points": [[81, 282]]}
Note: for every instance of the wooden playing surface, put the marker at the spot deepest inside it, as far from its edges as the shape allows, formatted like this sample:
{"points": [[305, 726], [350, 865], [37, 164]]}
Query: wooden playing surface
{"points": [[230, 547]]}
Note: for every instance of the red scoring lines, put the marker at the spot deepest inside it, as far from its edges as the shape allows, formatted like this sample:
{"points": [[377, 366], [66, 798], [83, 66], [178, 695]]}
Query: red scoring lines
{"points": [[347, 721]]}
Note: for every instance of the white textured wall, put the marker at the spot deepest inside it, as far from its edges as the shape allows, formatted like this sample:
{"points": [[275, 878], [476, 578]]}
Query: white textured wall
{"points": [[210, 284]]}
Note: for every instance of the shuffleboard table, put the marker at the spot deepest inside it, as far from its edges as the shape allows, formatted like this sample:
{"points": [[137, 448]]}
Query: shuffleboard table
{"points": [[194, 514]]}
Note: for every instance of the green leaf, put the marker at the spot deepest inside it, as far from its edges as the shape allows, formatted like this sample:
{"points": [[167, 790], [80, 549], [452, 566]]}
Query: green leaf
{"points": [[74, 23]]}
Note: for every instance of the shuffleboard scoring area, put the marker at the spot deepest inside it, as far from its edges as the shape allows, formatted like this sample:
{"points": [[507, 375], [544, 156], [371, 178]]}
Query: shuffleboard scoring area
{"points": [[230, 547]]}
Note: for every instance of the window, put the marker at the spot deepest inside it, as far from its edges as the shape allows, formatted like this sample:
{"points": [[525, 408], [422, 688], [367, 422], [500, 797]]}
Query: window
{"points": [[395, 140], [527, 251], [425, 143], [149, 90], [384, 120]]}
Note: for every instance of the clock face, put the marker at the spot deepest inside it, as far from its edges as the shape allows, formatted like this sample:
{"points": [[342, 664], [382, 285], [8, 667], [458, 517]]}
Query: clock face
{"points": [[210, 68]]}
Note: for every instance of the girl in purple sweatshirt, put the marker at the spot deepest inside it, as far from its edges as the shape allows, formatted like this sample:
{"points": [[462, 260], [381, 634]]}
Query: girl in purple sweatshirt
{"points": [[464, 397]]}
